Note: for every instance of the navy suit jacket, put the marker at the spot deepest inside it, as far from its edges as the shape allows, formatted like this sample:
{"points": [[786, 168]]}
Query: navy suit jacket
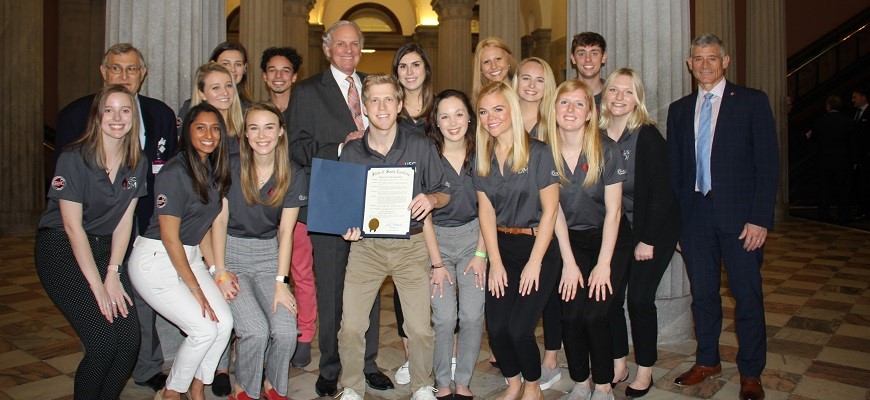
{"points": [[160, 125], [744, 163], [319, 121]]}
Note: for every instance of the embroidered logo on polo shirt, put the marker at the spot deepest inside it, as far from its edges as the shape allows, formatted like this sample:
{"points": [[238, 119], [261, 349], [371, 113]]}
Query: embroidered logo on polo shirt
{"points": [[129, 183], [303, 197], [620, 171], [161, 201], [626, 154], [447, 184], [271, 192], [58, 183], [523, 171], [585, 167], [553, 172]]}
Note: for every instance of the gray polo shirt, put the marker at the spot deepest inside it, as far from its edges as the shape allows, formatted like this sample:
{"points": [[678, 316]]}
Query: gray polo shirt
{"points": [[260, 221], [584, 207], [174, 195], [515, 196], [408, 149], [462, 208], [627, 145], [103, 202]]}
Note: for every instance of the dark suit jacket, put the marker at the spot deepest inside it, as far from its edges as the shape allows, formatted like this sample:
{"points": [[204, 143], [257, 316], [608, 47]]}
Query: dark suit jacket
{"points": [[319, 121], [656, 216], [159, 121], [834, 141], [744, 163]]}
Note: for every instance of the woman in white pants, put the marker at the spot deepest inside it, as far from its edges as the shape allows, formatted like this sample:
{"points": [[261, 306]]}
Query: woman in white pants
{"points": [[166, 265]]}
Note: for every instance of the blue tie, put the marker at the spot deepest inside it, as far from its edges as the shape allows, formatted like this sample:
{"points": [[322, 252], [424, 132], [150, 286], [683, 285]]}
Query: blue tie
{"points": [[704, 148]]}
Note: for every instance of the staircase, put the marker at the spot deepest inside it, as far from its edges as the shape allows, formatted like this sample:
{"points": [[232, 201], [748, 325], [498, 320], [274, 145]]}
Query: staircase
{"points": [[836, 63]]}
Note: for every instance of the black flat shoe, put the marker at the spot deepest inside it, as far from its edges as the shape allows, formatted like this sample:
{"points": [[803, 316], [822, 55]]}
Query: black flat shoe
{"points": [[379, 381], [221, 386], [326, 387], [635, 393], [457, 396], [156, 382]]}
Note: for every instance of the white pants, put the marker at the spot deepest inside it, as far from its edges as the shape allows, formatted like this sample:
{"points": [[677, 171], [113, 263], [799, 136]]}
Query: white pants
{"points": [[157, 282]]}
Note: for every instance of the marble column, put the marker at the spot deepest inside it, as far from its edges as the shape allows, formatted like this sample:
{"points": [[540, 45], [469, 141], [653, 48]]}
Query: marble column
{"points": [[453, 70], [541, 43], [652, 38], [316, 59], [22, 184], [501, 18], [295, 36], [427, 37], [766, 70], [260, 27], [174, 36], [717, 17], [81, 37]]}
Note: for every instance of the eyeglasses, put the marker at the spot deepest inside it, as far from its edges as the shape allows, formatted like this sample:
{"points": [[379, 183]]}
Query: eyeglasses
{"points": [[116, 69]]}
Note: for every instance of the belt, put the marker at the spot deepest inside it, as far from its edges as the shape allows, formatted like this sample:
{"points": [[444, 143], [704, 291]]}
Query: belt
{"points": [[709, 194], [518, 231], [415, 231]]}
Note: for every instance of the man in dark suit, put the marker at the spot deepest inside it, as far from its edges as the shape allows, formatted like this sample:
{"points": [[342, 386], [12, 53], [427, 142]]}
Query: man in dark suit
{"points": [[862, 149], [832, 136], [123, 64], [325, 113], [724, 167]]}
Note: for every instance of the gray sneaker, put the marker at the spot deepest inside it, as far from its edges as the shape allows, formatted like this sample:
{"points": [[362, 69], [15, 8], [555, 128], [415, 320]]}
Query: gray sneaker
{"points": [[580, 392], [549, 377], [599, 395]]}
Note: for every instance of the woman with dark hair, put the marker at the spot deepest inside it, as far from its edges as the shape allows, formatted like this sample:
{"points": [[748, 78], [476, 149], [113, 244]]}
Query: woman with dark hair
{"points": [[166, 265], [82, 238], [234, 57], [518, 198], [458, 288], [595, 242], [412, 69], [254, 241], [650, 205]]}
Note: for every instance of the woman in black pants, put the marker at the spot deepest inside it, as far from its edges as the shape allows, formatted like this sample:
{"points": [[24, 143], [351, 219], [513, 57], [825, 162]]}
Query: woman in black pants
{"points": [[83, 236], [594, 240], [517, 193], [650, 204]]}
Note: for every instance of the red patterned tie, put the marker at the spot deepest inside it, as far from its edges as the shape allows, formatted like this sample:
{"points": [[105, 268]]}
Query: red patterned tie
{"points": [[353, 104]]}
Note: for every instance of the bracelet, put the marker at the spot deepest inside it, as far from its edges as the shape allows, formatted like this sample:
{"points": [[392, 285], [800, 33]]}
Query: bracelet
{"points": [[281, 278], [194, 289], [222, 277], [481, 254], [212, 269], [437, 265], [114, 268]]}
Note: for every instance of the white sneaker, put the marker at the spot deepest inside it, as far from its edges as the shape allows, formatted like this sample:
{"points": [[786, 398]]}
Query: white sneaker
{"points": [[549, 377], [580, 392], [403, 375], [453, 368], [350, 394], [599, 395], [424, 393]]}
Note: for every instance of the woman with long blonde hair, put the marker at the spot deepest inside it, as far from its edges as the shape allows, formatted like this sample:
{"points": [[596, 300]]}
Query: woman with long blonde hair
{"points": [[493, 62], [214, 84], [536, 86]]}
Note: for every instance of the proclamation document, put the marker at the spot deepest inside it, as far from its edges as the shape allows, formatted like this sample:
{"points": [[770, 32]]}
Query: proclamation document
{"points": [[389, 190]]}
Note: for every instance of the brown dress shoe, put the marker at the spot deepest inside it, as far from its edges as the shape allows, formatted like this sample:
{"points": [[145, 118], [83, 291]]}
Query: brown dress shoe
{"points": [[750, 388], [697, 374]]}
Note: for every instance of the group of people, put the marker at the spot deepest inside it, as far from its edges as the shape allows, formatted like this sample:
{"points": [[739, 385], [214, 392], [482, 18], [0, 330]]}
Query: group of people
{"points": [[530, 201]]}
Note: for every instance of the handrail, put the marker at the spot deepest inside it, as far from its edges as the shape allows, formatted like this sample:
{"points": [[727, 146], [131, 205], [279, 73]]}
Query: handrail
{"points": [[830, 47]]}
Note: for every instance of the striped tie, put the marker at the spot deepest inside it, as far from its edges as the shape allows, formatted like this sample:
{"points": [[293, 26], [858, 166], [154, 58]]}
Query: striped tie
{"points": [[353, 104]]}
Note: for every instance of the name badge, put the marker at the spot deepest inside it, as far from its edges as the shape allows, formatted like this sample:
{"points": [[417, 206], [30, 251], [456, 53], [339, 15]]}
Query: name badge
{"points": [[156, 166]]}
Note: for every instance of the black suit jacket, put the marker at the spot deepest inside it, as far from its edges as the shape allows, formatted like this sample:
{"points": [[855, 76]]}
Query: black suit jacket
{"points": [[744, 163], [160, 130], [656, 216], [319, 121]]}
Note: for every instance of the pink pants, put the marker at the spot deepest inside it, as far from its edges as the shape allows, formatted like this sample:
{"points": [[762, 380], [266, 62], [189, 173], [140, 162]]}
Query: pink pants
{"points": [[302, 270]]}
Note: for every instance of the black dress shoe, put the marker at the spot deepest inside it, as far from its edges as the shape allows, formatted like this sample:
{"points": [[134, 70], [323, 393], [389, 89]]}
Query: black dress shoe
{"points": [[326, 387], [379, 381], [457, 396], [156, 382], [635, 393], [221, 386]]}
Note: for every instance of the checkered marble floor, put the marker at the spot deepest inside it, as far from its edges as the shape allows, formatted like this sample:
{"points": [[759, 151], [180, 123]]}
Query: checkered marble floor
{"points": [[816, 302]]}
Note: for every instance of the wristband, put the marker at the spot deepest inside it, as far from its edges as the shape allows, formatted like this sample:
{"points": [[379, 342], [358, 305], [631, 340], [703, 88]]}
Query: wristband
{"points": [[481, 254], [114, 268], [222, 277], [212, 269], [281, 278], [437, 265]]}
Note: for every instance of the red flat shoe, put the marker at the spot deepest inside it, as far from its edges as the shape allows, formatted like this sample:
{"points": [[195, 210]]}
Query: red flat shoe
{"points": [[273, 394]]}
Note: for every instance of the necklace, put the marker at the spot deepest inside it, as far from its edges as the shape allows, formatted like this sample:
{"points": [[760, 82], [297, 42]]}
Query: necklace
{"points": [[570, 155], [116, 164]]}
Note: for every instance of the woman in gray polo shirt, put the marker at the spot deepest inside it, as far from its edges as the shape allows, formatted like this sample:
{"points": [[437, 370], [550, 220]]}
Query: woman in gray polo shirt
{"points": [[254, 241], [517, 191]]}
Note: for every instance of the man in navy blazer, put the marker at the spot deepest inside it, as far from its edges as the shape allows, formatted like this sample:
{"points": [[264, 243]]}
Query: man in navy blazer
{"points": [[321, 123], [124, 65], [725, 169]]}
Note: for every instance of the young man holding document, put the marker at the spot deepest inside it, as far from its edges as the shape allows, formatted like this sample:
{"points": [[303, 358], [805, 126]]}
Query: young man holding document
{"points": [[405, 259]]}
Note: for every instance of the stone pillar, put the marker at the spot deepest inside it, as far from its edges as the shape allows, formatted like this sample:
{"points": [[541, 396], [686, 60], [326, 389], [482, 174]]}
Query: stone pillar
{"points": [[652, 38], [81, 38], [427, 37], [541, 44], [22, 185], [295, 36], [717, 17], [174, 36], [453, 70], [260, 27], [766, 70], [501, 18], [316, 59]]}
